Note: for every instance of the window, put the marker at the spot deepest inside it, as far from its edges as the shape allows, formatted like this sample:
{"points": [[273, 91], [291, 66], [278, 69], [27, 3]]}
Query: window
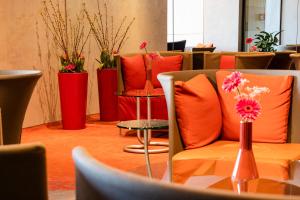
{"points": [[187, 23]]}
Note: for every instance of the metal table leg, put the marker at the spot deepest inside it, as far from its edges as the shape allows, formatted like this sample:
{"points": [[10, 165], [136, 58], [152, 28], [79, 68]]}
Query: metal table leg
{"points": [[149, 116], [147, 153]]}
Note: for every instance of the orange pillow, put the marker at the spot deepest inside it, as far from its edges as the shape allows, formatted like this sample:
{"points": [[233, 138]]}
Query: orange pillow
{"points": [[198, 111], [227, 62], [165, 64], [134, 74], [271, 124]]}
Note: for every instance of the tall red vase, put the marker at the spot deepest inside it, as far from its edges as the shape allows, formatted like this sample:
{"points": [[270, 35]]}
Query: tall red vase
{"points": [[245, 167], [73, 98], [107, 91]]}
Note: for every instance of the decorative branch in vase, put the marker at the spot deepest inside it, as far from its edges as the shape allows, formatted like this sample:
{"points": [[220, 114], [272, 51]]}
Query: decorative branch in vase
{"points": [[109, 40], [70, 36], [248, 107]]}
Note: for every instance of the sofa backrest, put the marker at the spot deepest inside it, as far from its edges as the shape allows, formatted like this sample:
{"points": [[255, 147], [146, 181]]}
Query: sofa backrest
{"points": [[187, 64], [243, 60], [168, 79]]}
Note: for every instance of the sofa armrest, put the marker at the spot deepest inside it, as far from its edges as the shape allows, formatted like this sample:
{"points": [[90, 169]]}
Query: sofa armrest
{"points": [[120, 86]]}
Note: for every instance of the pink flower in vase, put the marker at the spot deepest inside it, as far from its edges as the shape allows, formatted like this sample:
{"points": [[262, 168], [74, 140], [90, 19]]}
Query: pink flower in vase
{"points": [[143, 45], [70, 67], [248, 109], [247, 106], [232, 82]]}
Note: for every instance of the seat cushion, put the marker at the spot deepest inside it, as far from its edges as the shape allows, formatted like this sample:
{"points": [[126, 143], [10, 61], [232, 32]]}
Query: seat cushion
{"points": [[271, 124], [134, 72], [219, 157], [165, 64], [127, 107], [227, 62], [193, 99]]}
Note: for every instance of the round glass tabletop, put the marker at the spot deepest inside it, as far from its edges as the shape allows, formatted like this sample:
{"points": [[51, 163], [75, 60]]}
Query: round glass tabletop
{"points": [[143, 124], [141, 93]]}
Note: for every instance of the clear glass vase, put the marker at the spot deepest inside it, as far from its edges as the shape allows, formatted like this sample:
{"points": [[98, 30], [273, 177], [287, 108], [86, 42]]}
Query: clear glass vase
{"points": [[245, 167], [148, 86]]}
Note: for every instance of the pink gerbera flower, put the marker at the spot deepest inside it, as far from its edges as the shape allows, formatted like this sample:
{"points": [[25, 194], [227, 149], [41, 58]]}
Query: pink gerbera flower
{"points": [[232, 81], [248, 109], [143, 45]]}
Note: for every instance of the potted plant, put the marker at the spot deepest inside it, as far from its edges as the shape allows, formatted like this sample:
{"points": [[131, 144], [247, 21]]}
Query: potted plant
{"points": [[109, 41], [70, 38], [265, 42]]}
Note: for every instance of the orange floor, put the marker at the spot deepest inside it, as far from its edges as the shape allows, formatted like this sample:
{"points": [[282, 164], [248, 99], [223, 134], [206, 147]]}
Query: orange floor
{"points": [[101, 139]]}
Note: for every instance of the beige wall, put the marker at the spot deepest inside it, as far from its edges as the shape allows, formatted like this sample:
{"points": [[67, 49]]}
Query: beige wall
{"points": [[20, 22]]}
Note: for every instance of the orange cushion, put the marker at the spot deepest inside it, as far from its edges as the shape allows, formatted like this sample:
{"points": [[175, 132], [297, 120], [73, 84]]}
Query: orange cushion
{"points": [[134, 73], [165, 64], [271, 125], [193, 99], [219, 157], [227, 62]]}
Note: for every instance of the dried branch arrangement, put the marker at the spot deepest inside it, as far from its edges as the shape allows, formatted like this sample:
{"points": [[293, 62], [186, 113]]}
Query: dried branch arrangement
{"points": [[47, 87], [109, 39], [70, 36]]}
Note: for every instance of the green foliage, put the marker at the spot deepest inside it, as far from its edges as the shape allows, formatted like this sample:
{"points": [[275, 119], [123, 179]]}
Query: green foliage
{"points": [[266, 42], [106, 60], [73, 64]]}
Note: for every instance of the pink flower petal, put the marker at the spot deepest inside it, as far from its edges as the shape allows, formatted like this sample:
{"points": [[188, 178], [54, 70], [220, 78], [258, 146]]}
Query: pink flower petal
{"points": [[248, 109]]}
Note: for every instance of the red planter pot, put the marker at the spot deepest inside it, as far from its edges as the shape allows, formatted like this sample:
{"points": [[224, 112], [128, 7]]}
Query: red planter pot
{"points": [[107, 90], [73, 98]]}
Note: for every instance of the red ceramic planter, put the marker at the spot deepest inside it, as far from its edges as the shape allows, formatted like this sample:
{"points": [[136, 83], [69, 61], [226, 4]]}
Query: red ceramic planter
{"points": [[73, 98], [107, 90]]}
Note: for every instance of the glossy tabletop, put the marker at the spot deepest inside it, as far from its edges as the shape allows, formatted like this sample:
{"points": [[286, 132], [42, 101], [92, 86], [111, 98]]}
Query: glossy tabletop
{"points": [[143, 124], [141, 93]]}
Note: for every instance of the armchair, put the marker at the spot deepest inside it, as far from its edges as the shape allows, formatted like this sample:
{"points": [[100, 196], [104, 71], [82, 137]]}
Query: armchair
{"points": [[23, 172], [127, 105], [179, 156], [242, 60]]}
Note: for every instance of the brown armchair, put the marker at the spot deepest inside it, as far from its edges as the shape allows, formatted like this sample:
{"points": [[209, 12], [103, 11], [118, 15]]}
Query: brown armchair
{"points": [[296, 60], [281, 60], [243, 60], [176, 144], [23, 172]]}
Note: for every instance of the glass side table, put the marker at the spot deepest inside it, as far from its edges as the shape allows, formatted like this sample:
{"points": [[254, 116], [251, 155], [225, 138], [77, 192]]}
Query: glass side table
{"points": [[145, 126]]}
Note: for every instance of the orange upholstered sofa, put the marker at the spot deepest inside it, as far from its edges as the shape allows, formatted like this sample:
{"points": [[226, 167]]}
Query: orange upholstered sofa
{"points": [[132, 76], [274, 160]]}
